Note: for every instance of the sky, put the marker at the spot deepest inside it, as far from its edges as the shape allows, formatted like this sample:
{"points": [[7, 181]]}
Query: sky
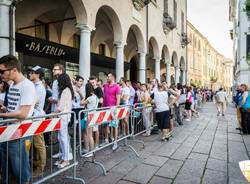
{"points": [[210, 17]]}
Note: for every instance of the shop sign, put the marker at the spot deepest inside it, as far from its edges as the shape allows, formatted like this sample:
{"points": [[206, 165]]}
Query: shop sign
{"points": [[39, 47]]}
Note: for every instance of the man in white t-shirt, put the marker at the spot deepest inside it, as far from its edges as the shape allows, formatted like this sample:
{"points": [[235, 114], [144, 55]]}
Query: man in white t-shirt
{"points": [[221, 100], [125, 94], [39, 150], [21, 101]]}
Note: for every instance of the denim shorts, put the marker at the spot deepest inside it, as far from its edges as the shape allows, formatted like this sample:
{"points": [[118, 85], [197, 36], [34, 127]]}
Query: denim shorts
{"points": [[17, 160]]}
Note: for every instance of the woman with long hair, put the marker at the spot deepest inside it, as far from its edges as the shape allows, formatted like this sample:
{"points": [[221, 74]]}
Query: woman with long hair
{"points": [[66, 95], [188, 103]]}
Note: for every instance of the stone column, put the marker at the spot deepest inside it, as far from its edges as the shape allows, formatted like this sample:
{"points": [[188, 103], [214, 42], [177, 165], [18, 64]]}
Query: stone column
{"points": [[158, 69], [84, 57], [119, 65], [142, 67], [177, 74], [5, 27], [183, 77], [168, 73]]}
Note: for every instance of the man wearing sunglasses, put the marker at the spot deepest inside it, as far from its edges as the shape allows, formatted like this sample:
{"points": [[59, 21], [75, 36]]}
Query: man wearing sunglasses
{"points": [[21, 102]]}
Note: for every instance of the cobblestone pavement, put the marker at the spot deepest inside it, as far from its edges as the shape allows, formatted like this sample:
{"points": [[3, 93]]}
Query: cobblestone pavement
{"points": [[206, 150]]}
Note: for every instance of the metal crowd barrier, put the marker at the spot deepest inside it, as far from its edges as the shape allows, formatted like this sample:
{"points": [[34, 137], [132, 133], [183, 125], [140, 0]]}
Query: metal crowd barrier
{"points": [[103, 121], [17, 145], [142, 121]]}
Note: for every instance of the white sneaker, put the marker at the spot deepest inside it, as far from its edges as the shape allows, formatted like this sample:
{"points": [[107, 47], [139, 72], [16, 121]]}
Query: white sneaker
{"points": [[187, 119], [115, 146], [58, 155], [106, 141], [89, 155]]}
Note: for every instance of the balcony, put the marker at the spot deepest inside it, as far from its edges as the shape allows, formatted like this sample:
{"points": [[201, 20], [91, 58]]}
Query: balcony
{"points": [[168, 23], [184, 40], [140, 4]]}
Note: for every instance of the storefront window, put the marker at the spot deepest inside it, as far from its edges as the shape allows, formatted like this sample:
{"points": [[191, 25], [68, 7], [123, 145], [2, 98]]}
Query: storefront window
{"points": [[72, 69]]}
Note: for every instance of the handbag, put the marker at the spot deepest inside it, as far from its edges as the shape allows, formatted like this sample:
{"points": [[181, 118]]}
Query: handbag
{"points": [[182, 99]]}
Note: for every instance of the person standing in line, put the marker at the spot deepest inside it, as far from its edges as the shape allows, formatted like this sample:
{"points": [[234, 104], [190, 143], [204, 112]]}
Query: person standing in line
{"points": [[160, 100], [99, 93], [125, 97], [132, 92], [21, 101], [188, 104], [112, 97], [79, 96], [221, 100], [91, 103], [39, 153], [245, 109], [147, 110], [65, 99], [57, 71], [237, 98]]}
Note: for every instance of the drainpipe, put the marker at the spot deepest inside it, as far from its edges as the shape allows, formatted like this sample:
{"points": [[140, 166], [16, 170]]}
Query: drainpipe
{"points": [[186, 77], [12, 48]]}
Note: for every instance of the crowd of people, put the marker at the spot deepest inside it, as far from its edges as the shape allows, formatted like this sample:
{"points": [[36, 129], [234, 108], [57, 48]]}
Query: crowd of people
{"points": [[23, 97]]}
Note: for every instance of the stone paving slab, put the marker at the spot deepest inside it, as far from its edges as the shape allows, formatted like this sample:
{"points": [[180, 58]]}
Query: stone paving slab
{"points": [[214, 177], [155, 160], [198, 156], [141, 174], [217, 165], [170, 169], [182, 152], [160, 180]]}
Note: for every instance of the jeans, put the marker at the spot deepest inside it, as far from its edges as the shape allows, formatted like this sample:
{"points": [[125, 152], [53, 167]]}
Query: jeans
{"points": [[17, 158], [178, 115]]}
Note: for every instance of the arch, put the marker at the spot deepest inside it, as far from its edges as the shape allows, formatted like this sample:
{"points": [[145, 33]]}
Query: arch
{"points": [[174, 60], [165, 54], [182, 63], [114, 20], [134, 29], [80, 11], [41, 7], [155, 47]]}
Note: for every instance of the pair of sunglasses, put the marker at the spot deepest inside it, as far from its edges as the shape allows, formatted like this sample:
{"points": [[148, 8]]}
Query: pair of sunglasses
{"points": [[2, 71]]}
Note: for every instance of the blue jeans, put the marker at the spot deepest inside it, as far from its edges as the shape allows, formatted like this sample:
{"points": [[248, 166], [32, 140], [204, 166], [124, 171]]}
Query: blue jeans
{"points": [[17, 159]]}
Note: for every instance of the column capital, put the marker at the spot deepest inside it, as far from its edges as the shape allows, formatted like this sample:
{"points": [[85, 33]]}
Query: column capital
{"points": [[177, 67], [157, 59], [5, 2], [168, 63], [84, 27], [118, 44]]}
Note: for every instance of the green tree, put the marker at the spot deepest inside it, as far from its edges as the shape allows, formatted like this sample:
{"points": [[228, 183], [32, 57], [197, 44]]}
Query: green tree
{"points": [[247, 8]]}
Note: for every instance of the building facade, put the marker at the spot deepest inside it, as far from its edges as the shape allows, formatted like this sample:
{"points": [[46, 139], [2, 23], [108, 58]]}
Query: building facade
{"points": [[206, 66], [241, 37], [137, 39]]}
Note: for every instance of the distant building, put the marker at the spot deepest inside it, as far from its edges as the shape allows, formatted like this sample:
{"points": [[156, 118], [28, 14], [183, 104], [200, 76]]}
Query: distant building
{"points": [[205, 65]]}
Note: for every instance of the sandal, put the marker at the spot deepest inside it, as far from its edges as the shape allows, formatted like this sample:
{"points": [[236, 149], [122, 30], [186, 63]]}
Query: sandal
{"points": [[63, 164]]}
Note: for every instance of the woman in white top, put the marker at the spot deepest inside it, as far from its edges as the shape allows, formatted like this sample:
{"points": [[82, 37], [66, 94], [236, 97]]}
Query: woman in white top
{"points": [[147, 110], [91, 103], [160, 98], [66, 95]]}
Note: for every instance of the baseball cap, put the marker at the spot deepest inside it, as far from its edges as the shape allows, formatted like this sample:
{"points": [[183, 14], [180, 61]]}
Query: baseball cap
{"points": [[38, 70]]}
